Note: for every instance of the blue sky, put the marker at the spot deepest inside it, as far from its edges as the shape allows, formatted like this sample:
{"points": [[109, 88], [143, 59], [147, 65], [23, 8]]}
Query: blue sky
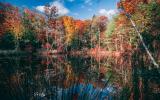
{"points": [[80, 9]]}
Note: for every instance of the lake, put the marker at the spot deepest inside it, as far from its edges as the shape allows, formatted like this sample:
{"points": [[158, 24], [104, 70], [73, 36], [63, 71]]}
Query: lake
{"points": [[64, 77]]}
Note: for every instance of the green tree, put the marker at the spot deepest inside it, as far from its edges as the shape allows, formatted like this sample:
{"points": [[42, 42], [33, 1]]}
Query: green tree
{"points": [[29, 38], [7, 41]]}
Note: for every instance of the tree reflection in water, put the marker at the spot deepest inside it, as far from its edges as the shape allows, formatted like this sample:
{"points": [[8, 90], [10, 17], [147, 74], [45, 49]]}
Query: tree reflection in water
{"points": [[63, 77]]}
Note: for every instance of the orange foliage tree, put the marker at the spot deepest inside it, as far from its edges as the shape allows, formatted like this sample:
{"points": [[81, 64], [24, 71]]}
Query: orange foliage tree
{"points": [[130, 6], [69, 28], [11, 20], [79, 26]]}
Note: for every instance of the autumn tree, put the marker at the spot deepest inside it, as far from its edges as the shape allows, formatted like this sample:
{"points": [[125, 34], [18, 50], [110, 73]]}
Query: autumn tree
{"points": [[10, 22], [54, 29], [87, 34], [69, 28], [33, 24], [2, 17], [82, 38], [98, 27], [124, 38], [79, 27]]}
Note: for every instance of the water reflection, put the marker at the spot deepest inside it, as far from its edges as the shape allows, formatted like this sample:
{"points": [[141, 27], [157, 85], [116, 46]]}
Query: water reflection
{"points": [[63, 77]]}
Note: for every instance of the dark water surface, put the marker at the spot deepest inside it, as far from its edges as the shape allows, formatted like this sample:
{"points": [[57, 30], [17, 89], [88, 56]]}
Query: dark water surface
{"points": [[63, 77]]}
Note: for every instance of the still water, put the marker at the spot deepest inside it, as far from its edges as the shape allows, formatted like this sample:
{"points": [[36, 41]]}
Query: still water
{"points": [[63, 77]]}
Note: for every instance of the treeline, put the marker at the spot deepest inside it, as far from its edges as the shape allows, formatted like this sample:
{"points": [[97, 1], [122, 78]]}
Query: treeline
{"points": [[32, 30], [27, 30]]}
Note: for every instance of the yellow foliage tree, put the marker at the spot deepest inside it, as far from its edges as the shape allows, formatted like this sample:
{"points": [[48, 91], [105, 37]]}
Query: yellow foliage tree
{"points": [[69, 28]]}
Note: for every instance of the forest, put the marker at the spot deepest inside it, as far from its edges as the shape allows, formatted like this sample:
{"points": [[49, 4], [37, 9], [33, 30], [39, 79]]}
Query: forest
{"points": [[131, 38]]}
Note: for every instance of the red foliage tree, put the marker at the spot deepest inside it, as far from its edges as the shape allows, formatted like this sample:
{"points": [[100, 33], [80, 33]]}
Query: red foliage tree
{"points": [[79, 26]]}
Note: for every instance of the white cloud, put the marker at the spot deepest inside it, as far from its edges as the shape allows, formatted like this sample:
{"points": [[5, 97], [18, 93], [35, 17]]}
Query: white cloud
{"points": [[40, 8], [61, 9], [109, 13]]}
